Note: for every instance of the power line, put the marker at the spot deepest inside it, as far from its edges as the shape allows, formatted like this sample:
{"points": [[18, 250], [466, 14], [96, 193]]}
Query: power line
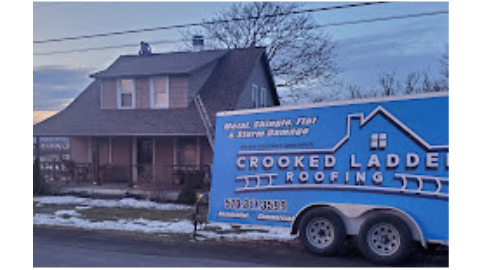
{"points": [[178, 26], [382, 19], [316, 26], [106, 47]]}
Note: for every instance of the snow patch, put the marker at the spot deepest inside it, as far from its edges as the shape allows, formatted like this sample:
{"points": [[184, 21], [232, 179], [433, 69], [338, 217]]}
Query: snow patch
{"points": [[71, 213], [122, 203], [133, 225], [82, 207], [248, 232], [162, 227]]}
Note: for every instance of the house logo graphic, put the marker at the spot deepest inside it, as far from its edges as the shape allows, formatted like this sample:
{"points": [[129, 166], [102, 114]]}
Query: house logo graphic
{"points": [[383, 157]]}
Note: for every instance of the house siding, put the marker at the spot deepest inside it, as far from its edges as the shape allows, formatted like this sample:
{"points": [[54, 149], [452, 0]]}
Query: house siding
{"points": [[79, 149], [206, 156], [142, 93], [259, 78], [178, 91], [109, 94]]}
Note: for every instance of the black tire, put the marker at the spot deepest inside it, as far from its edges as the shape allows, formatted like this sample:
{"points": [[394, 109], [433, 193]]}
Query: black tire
{"points": [[322, 232], [385, 239]]}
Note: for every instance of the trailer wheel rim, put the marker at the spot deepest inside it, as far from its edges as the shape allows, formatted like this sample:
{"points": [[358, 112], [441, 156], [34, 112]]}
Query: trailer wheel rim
{"points": [[320, 233], [384, 239]]}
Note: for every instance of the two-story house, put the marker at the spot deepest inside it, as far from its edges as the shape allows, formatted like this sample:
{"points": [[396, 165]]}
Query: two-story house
{"points": [[147, 116]]}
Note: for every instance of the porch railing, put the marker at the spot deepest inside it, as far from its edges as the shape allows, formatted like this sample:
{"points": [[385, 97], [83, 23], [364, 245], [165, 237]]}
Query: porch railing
{"points": [[65, 171], [172, 175]]}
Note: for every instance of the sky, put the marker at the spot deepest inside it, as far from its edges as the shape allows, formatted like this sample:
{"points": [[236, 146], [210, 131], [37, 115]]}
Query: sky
{"points": [[364, 50]]}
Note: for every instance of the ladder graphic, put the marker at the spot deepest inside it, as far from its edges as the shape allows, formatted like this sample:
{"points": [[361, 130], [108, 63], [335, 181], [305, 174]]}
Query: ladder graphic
{"points": [[419, 188], [420, 181]]}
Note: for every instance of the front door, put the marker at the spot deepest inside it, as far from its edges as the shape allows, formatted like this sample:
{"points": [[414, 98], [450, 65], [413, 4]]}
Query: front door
{"points": [[145, 159]]}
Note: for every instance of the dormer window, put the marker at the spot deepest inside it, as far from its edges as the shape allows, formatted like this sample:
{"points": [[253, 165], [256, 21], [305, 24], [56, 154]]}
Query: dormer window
{"points": [[378, 141], [263, 98], [159, 92], [126, 93]]}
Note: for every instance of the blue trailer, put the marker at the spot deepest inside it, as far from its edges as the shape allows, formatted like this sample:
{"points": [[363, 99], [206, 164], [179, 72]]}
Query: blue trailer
{"points": [[374, 169]]}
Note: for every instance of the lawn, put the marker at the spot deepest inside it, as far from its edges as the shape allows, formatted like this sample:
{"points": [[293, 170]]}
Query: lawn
{"points": [[103, 213], [144, 217]]}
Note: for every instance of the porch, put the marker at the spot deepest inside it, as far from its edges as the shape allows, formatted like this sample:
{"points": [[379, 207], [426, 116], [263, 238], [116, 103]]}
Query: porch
{"points": [[130, 162]]}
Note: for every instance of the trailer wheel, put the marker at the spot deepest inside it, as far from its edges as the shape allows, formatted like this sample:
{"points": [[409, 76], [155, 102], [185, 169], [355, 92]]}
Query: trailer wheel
{"points": [[385, 239], [322, 232]]}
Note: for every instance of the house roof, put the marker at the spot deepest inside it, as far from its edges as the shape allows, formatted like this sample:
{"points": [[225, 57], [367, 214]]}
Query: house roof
{"points": [[84, 117], [159, 64]]}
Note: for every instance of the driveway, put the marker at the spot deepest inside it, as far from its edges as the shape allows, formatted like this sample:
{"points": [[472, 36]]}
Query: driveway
{"points": [[54, 247]]}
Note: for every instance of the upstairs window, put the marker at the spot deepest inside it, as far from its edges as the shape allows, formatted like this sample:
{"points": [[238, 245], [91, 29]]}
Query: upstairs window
{"points": [[255, 96], [159, 88], [263, 98], [126, 93]]}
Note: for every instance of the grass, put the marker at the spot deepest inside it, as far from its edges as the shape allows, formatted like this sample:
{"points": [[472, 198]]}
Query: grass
{"points": [[51, 209], [102, 213]]}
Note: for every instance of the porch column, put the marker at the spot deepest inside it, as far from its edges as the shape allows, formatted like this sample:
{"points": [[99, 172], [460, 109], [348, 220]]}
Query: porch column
{"points": [[95, 159], [198, 152], [90, 150], [110, 150], [134, 161], [153, 159]]}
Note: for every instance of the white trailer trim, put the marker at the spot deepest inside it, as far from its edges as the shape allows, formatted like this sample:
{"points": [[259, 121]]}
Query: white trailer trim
{"points": [[334, 103]]}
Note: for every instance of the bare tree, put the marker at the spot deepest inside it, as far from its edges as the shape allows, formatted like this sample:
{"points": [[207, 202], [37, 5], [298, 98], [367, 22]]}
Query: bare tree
{"points": [[412, 83], [389, 84], [354, 92], [299, 55], [428, 84], [445, 69]]}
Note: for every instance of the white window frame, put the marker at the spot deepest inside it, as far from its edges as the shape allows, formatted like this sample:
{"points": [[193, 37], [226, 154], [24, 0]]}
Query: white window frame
{"points": [[255, 95], [263, 97], [153, 105], [119, 93]]}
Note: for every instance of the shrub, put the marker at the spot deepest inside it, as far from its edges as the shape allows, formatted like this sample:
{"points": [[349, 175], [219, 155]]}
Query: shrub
{"points": [[158, 191], [187, 194]]}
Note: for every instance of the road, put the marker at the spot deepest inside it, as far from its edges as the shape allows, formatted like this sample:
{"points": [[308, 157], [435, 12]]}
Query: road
{"points": [[80, 248]]}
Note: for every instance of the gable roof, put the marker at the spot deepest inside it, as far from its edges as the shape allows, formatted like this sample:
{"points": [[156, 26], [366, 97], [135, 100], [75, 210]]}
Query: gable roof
{"points": [[220, 92], [159, 64], [231, 76]]}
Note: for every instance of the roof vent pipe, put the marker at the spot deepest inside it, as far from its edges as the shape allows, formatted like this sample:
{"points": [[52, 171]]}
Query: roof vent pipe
{"points": [[197, 42], [145, 48]]}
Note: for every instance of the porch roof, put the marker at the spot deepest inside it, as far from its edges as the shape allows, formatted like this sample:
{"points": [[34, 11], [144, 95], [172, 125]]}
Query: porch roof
{"points": [[85, 118]]}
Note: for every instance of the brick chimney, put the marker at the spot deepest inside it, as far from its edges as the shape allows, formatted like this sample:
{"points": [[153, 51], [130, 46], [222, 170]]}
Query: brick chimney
{"points": [[197, 42]]}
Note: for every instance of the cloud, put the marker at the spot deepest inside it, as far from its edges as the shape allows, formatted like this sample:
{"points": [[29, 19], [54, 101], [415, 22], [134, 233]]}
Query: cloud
{"points": [[39, 116], [54, 87], [410, 48]]}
